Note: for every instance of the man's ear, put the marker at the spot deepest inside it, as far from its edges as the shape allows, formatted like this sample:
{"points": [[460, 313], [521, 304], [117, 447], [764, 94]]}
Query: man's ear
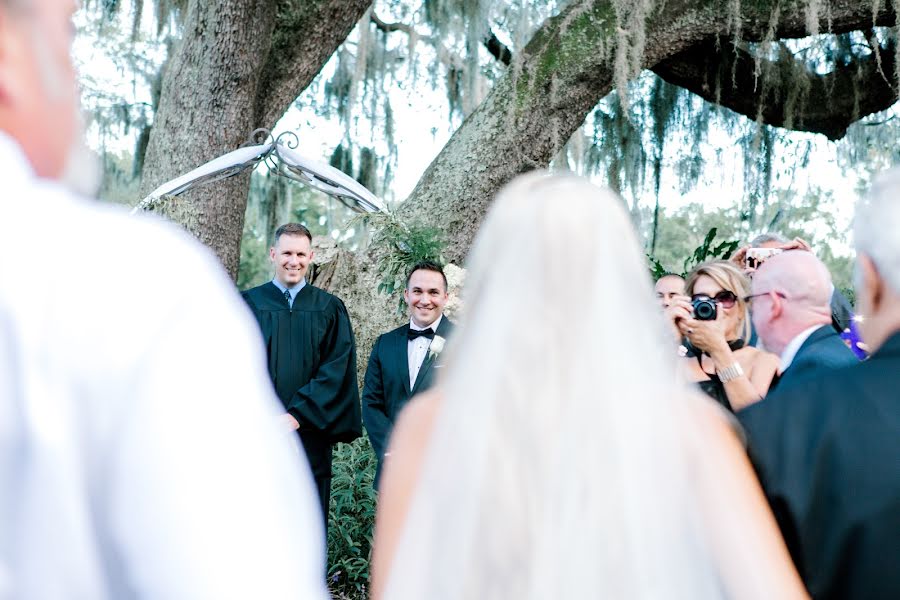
{"points": [[871, 282], [312, 256], [272, 253], [777, 306]]}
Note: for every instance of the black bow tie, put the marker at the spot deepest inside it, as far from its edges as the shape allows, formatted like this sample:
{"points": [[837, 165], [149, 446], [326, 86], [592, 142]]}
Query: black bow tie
{"points": [[414, 333]]}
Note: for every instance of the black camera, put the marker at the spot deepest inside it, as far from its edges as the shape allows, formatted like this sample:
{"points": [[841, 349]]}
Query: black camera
{"points": [[705, 308]]}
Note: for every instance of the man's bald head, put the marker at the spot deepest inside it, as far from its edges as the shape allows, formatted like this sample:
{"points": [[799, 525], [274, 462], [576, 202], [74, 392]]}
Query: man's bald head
{"points": [[799, 275], [792, 292]]}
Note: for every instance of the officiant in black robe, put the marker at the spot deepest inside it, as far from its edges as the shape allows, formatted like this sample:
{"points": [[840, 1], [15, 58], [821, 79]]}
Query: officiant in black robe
{"points": [[311, 353]]}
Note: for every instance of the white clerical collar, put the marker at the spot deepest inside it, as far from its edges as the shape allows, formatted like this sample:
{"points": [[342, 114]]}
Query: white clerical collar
{"points": [[433, 326], [790, 351], [294, 289]]}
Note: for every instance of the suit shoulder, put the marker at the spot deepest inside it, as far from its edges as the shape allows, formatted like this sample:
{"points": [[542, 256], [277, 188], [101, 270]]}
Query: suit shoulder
{"points": [[318, 299], [253, 293], [384, 337], [826, 390], [396, 331]]}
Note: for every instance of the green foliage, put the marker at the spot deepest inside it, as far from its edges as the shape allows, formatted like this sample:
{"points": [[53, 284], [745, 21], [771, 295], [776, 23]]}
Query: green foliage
{"points": [[811, 216], [657, 269], [707, 250], [401, 246], [254, 267], [351, 518], [850, 294]]}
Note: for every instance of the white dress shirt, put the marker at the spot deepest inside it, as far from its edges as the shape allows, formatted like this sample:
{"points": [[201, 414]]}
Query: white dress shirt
{"points": [[790, 351], [140, 447], [417, 349]]}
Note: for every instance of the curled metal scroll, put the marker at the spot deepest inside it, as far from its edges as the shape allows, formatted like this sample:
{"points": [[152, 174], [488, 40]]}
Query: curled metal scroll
{"points": [[281, 157]]}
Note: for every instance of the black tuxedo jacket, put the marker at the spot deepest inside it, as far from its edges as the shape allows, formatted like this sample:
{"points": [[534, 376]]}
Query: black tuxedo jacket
{"points": [[827, 452], [823, 351], [386, 389]]}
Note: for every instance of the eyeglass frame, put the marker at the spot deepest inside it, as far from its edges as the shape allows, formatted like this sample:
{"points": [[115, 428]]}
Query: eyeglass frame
{"points": [[730, 303], [781, 295]]}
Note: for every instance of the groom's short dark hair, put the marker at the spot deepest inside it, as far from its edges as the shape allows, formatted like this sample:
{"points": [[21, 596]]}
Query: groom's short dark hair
{"points": [[427, 265]]}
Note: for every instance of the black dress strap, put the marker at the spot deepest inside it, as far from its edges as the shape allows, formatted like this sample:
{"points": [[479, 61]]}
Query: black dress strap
{"points": [[713, 387]]}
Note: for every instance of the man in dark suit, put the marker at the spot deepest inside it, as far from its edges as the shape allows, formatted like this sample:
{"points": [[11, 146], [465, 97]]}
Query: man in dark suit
{"points": [[792, 315], [826, 449], [404, 361]]}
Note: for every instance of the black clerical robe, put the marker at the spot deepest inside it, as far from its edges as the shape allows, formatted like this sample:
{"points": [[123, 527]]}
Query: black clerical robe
{"points": [[312, 363], [386, 389], [827, 452]]}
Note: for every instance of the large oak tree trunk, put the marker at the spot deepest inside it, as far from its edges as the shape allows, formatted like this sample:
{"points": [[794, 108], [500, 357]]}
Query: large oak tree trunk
{"points": [[239, 66]]}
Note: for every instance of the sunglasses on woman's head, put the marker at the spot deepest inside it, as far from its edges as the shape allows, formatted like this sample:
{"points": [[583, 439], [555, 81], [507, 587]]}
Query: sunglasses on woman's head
{"points": [[726, 298]]}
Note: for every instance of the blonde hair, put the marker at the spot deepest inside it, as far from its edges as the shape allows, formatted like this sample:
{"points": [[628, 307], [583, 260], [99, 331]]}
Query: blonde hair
{"points": [[727, 275]]}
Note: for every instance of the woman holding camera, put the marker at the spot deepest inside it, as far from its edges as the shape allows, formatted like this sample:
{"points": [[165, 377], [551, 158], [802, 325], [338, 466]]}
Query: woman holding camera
{"points": [[713, 321]]}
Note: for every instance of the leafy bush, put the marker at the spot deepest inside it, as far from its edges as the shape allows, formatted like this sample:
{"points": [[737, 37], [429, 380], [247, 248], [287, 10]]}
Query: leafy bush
{"points": [[707, 250], [351, 519], [402, 245]]}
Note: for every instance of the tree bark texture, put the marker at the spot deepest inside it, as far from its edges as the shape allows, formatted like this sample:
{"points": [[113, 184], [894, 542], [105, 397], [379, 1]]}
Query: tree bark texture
{"points": [[239, 66], [560, 76]]}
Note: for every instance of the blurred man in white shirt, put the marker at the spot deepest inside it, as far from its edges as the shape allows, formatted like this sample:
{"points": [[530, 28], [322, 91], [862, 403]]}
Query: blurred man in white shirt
{"points": [[140, 452]]}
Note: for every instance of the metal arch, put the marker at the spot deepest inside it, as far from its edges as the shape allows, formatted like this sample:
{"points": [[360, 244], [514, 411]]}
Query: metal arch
{"points": [[280, 155]]}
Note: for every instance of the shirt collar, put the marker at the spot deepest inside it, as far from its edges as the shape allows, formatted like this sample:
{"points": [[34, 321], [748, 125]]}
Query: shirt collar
{"points": [[13, 159], [434, 326], [294, 290], [790, 351]]}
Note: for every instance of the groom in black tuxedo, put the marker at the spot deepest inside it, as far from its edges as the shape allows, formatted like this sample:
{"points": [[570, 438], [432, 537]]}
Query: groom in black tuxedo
{"points": [[404, 361]]}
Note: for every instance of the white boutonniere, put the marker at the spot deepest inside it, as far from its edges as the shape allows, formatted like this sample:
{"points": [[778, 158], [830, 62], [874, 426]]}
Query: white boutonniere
{"points": [[437, 345]]}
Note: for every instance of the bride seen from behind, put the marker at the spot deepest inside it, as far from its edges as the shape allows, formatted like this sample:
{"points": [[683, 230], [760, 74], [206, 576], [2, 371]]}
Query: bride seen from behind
{"points": [[560, 455]]}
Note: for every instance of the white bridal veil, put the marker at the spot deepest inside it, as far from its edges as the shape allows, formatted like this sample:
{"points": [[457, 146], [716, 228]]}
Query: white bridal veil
{"points": [[561, 462]]}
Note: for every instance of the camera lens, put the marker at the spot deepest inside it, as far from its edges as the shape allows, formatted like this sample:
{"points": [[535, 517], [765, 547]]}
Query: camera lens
{"points": [[705, 309]]}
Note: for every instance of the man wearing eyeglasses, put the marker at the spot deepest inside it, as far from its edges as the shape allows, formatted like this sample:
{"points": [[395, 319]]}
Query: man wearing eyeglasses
{"points": [[826, 448], [790, 305], [841, 311]]}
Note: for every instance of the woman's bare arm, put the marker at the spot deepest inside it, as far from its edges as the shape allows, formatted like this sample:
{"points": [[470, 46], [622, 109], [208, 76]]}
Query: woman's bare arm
{"points": [[402, 466], [762, 370]]}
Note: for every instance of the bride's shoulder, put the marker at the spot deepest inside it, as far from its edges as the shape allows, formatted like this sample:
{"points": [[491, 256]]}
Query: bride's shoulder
{"points": [[414, 425], [715, 419], [419, 414]]}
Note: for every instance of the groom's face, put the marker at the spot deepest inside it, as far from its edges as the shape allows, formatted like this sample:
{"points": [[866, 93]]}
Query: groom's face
{"points": [[426, 296]]}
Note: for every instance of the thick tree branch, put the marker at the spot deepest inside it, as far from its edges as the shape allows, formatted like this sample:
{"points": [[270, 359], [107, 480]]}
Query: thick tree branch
{"points": [[497, 48], [802, 100], [558, 78], [390, 27], [307, 32]]}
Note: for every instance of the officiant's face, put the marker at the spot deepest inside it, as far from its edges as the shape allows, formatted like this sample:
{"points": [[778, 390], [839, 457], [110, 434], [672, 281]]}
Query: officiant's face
{"points": [[291, 257], [426, 296]]}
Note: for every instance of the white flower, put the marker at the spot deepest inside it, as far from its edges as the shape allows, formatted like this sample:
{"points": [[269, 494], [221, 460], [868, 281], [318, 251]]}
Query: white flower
{"points": [[437, 344]]}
